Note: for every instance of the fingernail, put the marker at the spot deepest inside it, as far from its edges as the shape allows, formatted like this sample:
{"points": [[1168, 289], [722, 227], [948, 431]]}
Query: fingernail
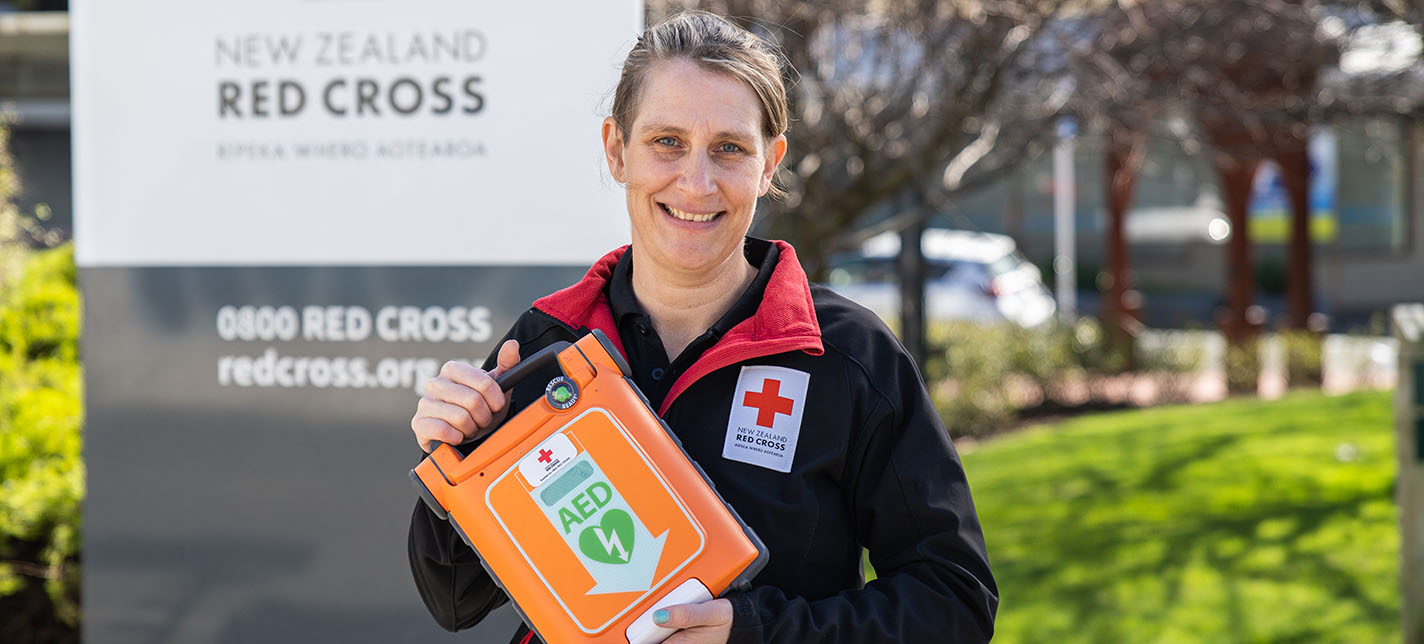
{"points": [[660, 616]]}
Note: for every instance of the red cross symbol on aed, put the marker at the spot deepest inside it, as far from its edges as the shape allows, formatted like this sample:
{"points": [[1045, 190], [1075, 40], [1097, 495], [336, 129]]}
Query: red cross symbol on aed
{"points": [[768, 402], [544, 455]]}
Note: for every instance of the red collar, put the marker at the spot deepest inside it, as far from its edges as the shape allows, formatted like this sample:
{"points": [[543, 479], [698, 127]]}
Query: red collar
{"points": [[785, 320]]}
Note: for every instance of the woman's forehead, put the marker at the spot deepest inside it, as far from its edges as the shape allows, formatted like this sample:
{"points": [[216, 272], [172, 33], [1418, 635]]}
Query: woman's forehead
{"points": [[682, 95]]}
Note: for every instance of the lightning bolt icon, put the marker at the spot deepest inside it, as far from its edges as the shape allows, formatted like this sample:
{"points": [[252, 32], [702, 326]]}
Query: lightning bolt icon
{"points": [[611, 543]]}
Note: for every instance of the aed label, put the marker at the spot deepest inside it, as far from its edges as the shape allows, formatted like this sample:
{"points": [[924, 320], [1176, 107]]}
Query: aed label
{"points": [[601, 528], [585, 504], [549, 458]]}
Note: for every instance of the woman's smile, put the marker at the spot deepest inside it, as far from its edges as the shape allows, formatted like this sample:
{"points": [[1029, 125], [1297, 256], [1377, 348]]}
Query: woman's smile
{"points": [[690, 215]]}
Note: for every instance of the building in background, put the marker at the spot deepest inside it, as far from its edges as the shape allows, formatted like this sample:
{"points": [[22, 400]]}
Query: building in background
{"points": [[1368, 241], [34, 101]]}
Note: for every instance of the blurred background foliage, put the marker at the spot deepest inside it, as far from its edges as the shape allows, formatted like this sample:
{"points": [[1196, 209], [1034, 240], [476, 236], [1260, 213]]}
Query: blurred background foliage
{"points": [[41, 467], [984, 378]]}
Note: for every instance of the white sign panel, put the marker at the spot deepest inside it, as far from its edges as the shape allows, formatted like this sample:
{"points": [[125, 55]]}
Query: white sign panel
{"points": [[378, 132]]}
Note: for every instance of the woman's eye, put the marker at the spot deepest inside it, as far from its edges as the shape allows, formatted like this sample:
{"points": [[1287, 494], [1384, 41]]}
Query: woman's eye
{"points": [[729, 148]]}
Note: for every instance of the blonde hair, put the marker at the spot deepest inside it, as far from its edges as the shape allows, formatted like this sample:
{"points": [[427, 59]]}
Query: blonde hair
{"points": [[716, 44]]}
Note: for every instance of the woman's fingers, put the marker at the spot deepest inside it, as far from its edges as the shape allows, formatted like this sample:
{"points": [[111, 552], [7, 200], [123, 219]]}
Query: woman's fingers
{"points": [[468, 400], [707, 622], [709, 613], [467, 420], [464, 401], [476, 379], [433, 429]]}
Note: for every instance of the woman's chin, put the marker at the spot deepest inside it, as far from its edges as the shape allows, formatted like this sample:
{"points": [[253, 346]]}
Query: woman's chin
{"points": [[693, 256]]}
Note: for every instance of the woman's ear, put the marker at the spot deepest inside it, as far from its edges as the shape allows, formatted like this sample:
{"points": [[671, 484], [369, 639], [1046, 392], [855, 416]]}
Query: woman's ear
{"points": [[775, 152], [613, 149]]}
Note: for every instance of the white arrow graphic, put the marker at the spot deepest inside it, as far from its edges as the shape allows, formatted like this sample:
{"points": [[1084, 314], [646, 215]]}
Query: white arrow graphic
{"points": [[576, 501], [634, 576]]}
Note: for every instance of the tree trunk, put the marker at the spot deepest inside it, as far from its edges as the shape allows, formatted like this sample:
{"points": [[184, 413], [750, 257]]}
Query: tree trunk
{"points": [[1295, 172], [1236, 177], [911, 271], [1124, 159]]}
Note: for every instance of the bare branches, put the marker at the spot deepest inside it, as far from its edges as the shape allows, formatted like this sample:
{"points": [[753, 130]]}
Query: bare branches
{"points": [[31, 569], [1250, 67], [970, 155], [929, 96], [890, 93]]}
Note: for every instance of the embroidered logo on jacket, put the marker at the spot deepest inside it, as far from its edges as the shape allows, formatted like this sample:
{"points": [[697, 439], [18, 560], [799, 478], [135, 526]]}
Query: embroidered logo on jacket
{"points": [[766, 416]]}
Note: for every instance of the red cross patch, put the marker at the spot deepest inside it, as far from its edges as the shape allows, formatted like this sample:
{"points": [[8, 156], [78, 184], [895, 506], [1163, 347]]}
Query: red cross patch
{"points": [[766, 414]]}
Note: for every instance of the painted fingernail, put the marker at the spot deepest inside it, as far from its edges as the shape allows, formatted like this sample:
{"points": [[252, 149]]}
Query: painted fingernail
{"points": [[660, 616]]}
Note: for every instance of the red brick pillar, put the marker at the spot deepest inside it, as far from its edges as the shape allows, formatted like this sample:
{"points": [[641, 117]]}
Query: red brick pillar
{"points": [[1124, 160], [1295, 172], [1236, 175]]}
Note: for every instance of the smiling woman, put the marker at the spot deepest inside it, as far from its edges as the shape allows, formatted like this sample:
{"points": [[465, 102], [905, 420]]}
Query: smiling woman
{"points": [[801, 407], [694, 163]]}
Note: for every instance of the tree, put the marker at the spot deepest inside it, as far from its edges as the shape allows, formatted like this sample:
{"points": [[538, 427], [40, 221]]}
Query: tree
{"points": [[1242, 75], [897, 107]]}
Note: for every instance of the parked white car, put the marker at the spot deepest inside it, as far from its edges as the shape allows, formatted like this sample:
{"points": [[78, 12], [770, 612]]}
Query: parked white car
{"points": [[969, 276]]}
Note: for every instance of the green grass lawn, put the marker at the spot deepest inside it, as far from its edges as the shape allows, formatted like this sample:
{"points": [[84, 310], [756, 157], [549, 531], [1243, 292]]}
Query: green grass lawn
{"points": [[1241, 521]]}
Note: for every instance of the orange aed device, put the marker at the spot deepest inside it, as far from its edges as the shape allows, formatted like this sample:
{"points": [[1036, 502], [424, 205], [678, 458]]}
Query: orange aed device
{"points": [[585, 509]]}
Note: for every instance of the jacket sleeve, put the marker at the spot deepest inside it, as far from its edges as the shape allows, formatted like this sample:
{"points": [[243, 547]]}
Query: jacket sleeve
{"points": [[452, 582], [455, 587], [915, 515]]}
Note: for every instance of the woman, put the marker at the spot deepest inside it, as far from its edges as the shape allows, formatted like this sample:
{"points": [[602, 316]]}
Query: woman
{"points": [[719, 327]]}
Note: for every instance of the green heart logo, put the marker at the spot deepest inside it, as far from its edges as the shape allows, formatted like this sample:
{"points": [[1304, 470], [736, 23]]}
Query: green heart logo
{"points": [[611, 541]]}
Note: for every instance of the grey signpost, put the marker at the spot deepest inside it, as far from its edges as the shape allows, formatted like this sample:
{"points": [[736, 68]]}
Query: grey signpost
{"points": [[1409, 440], [288, 214]]}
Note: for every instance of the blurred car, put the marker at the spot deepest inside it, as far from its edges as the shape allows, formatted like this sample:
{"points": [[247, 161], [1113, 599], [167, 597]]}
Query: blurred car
{"points": [[969, 276]]}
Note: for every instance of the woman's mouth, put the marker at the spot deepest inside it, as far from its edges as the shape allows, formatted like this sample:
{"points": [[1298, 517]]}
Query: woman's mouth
{"points": [[684, 215]]}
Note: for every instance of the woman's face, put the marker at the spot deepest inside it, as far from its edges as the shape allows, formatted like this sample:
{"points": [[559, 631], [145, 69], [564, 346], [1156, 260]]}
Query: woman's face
{"points": [[694, 162]]}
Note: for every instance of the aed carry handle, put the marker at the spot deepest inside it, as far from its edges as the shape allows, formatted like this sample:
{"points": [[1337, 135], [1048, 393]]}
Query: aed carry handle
{"points": [[518, 372]]}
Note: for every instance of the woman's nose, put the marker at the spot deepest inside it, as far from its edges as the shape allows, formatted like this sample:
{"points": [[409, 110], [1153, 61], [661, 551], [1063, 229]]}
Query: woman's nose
{"points": [[697, 174]]}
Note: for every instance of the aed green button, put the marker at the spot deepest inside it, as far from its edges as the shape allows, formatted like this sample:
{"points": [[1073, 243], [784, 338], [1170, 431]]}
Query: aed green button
{"points": [[561, 393]]}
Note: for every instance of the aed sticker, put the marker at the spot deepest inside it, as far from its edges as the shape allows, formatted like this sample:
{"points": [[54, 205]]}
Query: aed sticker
{"points": [[547, 459], [602, 530]]}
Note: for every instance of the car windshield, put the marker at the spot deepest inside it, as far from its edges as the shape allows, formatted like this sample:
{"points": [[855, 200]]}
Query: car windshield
{"points": [[882, 270], [861, 271], [1005, 264]]}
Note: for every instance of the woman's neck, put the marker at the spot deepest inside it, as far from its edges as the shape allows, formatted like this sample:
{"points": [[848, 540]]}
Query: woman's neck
{"points": [[683, 305]]}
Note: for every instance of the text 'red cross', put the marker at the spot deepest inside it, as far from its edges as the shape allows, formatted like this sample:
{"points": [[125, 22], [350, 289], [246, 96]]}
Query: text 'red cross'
{"points": [[544, 455], [768, 402]]}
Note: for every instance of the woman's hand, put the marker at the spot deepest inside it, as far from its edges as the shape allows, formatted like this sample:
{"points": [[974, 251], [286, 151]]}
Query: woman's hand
{"points": [[464, 401], [708, 622]]}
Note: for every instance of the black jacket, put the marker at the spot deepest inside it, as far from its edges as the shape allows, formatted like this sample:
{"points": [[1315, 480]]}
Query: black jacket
{"points": [[873, 467]]}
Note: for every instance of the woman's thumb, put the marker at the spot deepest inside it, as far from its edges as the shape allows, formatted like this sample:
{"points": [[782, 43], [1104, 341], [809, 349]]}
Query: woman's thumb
{"points": [[508, 356]]}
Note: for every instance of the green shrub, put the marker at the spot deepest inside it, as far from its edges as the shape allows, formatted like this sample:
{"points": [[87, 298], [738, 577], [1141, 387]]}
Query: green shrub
{"points": [[40, 420], [982, 375], [1303, 358], [1243, 366], [41, 471], [1093, 350], [970, 376]]}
